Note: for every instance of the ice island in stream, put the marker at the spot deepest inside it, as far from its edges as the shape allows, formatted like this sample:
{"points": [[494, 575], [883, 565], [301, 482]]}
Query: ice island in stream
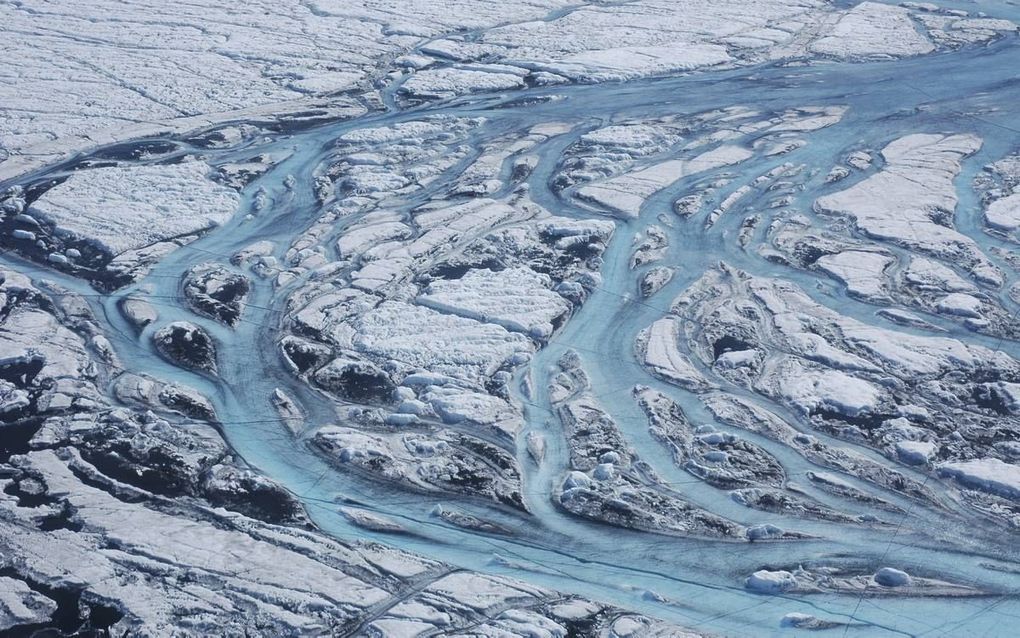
{"points": [[539, 318]]}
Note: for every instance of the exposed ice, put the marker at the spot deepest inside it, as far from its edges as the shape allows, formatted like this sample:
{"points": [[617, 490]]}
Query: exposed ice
{"points": [[187, 344], [660, 344], [412, 277], [606, 481], [21, 605], [1004, 213], [441, 83], [457, 346], [844, 381], [518, 299], [892, 577], [818, 578], [990, 475], [898, 203], [873, 29], [770, 582], [626, 194], [427, 461], [165, 201], [861, 271]]}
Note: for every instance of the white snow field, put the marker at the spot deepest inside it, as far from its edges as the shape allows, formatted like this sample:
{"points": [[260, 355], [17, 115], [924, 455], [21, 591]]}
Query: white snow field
{"points": [[898, 202], [122, 209], [104, 70]]}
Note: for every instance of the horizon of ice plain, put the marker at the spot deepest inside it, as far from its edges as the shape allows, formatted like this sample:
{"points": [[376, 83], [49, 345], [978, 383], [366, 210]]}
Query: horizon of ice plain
{"points": [[537, 318]]}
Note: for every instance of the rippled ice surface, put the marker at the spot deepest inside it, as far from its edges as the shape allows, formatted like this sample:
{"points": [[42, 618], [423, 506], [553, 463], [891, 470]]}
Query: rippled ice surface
{"points": [[697, 583]]}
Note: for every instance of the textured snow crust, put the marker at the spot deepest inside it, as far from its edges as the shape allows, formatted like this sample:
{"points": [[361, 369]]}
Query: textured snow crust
{"points": [[161, 530], [793, 342], [98, 69]]}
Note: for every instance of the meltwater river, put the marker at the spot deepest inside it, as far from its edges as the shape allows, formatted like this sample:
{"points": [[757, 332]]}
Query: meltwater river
{"points": [[696, 583]]}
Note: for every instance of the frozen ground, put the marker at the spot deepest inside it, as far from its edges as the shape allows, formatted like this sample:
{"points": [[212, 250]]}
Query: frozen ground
{"points": [[655, 318]]}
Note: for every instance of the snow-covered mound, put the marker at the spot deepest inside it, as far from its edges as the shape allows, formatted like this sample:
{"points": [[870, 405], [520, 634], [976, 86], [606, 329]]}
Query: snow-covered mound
{"points": [[899, 203], [989, 475], [516, 298], [122, 208]]}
